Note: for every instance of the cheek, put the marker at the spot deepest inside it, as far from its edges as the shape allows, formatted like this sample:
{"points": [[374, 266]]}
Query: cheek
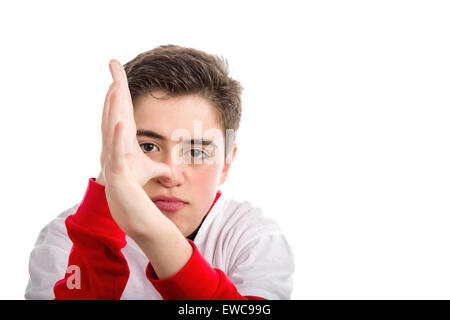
{"points": [[206, 179], [203, 185]]}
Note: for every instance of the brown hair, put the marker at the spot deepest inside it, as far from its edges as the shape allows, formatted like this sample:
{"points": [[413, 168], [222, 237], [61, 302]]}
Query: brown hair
{"points": [[181, 71]]}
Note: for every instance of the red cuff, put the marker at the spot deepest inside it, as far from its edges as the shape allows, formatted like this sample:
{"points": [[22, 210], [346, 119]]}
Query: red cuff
{"points": [[188, 283], [93, 214], [197, 280]]}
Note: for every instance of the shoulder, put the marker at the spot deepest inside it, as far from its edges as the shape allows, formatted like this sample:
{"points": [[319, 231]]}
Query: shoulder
{"points": [[255, 249], [55, 230], [239, 225], [245, 216]]}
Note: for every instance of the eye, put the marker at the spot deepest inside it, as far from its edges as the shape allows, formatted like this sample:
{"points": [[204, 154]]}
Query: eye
{"points": [[147, 144], [198, 154]]}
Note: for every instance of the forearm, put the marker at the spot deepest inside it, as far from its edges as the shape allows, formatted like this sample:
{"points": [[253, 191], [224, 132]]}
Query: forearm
{"points": [[197, 280], [158, 237], [168, 253], [98, 269], [176, 268]]}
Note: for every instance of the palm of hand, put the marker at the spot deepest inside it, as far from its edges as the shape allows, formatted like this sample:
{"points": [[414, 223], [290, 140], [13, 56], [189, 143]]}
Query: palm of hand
{"points": [[122, 157]]}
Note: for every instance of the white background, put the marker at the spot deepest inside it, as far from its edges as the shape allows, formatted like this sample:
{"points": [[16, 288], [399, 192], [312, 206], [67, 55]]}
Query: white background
{"points": [[344, 139]]}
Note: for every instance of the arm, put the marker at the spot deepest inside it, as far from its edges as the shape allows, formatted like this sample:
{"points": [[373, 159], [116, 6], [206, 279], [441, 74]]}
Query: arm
{"points": [[197, 280], [180, 271], [96, 269], [180, 280], [261, 265]]}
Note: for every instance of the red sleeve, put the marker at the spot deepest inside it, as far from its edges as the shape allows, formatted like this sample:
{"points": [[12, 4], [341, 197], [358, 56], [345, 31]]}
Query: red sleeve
{"points": [[197, 280], [97, 268]]}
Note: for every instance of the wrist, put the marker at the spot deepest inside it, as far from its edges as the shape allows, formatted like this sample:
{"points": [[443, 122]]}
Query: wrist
{"points": [[154, 229], [93, 212]]}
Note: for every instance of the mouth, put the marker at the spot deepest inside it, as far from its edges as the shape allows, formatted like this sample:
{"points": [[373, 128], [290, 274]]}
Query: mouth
{"points": [[170, 206]]}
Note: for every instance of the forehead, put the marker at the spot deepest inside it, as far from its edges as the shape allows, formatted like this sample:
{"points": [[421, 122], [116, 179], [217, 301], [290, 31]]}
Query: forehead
{"points": [[191, 114]]}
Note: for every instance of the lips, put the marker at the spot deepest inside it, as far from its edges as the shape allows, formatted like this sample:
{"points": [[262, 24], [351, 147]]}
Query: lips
{"points": [[168, 203], [164, 197]]}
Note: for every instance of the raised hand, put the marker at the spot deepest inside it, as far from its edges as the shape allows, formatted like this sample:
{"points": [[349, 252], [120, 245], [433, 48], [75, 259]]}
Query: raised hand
{"points": [[122, 157]]}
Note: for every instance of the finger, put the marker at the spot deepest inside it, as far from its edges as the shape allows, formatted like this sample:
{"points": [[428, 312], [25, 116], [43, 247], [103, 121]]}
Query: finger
{"points": [[119, 75], [118, 72], [117, 161], [105, 114], [113, 116]]}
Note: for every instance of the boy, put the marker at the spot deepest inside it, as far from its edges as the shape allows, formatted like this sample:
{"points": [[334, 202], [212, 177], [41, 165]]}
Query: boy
{"points": [[153, 224]]}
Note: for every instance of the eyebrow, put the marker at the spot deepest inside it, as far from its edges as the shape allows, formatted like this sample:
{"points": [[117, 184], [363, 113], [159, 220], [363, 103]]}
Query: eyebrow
{"points": [[153, 134]]}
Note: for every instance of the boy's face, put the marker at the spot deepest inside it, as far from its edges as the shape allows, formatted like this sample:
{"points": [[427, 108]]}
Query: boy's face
{"points": [[197, 169]]}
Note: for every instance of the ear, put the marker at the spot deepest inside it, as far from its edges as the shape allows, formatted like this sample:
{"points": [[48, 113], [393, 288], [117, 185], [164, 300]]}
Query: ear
{"points": [[227, 164]]}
